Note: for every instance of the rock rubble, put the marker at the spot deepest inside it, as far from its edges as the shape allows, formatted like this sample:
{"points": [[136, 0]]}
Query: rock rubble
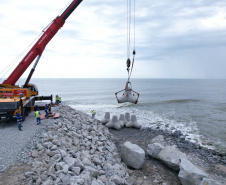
{"points": [[149, 140], [177, 160], [76, 150]]}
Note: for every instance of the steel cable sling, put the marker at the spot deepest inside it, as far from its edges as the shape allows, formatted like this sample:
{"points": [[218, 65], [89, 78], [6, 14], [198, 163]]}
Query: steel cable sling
{"points": [[129, 94], [128, 38]]}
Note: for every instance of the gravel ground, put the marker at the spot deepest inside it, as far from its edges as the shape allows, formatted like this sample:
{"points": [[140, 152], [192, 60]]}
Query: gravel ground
{"points": [[13, 142]]}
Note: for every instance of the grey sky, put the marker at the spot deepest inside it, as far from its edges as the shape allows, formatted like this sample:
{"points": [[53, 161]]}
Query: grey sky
{"points": [[174, 38]]}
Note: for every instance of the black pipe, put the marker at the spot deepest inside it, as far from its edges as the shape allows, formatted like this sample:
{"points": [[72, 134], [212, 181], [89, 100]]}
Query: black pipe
{"points": [[70, 9]]}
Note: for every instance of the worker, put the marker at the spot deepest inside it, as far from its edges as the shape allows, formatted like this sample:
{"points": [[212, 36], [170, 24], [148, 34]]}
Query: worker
{"points": [[18, 113], [93, 114], [59, 99], [37, 115], [19, 121], [46, 111], [56, 100], [18, 116]]}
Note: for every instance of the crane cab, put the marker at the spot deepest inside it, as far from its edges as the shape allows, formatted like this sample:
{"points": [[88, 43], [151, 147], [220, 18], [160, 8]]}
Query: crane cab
{"points": [[33, 88], [11, 102]]}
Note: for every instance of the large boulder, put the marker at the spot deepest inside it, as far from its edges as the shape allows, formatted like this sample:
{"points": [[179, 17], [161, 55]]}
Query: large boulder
{"points": [[171, 157], [207, 181], [106, 118], [132, 155], [114, 123], [190, 174], [158, 139], [133, 122], [154, 149]]}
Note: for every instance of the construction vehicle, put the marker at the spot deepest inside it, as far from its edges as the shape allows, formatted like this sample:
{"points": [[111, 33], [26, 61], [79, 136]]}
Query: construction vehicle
{"points": [[14, 99]]}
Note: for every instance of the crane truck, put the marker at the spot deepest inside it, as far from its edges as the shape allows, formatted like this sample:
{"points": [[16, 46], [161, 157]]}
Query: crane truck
{"points": [[22, 99]]}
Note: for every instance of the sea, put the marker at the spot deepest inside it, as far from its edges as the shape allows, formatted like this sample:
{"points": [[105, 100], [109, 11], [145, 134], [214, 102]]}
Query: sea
{"points": [[196, 107]]}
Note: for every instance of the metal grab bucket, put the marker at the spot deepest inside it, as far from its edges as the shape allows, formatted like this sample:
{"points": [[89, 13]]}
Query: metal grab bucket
{"points": [[127, 95]]}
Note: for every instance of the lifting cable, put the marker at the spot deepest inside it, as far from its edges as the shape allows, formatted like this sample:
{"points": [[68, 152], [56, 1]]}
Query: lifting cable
{"points": [[127, 94], [128, 37]]}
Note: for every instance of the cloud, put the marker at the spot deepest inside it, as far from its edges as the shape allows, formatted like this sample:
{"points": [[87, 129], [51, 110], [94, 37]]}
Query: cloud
{"points": [[173, 39]]}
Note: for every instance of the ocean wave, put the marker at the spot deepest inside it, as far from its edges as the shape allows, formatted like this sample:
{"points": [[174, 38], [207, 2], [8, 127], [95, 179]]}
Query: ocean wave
{"points": [[164, 102], [147, 118], [182, 101], [178, 101]]}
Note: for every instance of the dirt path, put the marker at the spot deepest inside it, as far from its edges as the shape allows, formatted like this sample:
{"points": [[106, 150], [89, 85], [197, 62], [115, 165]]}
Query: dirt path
{"points": [[15, 175]]}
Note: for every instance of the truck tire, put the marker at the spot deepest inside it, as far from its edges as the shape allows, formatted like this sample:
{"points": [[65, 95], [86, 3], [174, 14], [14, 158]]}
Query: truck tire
{"points": [[27, 113]]}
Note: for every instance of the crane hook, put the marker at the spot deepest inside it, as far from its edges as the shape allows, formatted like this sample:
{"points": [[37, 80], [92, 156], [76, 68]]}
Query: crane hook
{"points": [[128, 64]]}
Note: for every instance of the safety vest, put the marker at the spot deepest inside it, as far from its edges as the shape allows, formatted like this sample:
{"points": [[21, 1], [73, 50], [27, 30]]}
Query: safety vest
{"points": [[37, 113], [93, 112], [19, 119]]}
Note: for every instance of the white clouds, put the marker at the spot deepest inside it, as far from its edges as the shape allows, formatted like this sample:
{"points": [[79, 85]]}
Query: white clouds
{"points": [[171, 36], [218, 21]]}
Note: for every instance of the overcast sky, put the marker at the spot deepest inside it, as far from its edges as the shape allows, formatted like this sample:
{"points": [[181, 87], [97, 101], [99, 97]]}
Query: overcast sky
{"points": [[173, 38]]}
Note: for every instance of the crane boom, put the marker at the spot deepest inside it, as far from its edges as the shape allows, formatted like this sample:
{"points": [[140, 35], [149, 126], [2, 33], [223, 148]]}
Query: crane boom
{"points": [[40, 45]]}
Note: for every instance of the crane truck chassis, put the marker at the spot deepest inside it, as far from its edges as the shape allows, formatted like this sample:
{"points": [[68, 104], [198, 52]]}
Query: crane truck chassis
{"points": [[15, 99], [19, 100]]}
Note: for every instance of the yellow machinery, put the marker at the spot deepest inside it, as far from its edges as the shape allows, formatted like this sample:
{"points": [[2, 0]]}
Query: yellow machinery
{"points": [[14, 99], [22, 99]]}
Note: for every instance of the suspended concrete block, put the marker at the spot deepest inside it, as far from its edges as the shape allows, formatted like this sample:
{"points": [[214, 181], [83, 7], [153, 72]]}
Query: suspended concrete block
{"points": [[122, 120], [127, 95], [114, 123], [106, 118], [133, 122], [127, 116]]}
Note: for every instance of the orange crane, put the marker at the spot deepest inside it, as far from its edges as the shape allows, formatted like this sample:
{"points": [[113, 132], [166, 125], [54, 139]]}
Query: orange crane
{"points": [[14, 98]]}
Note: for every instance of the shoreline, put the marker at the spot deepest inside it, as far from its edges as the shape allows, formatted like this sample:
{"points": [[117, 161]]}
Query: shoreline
{"points": [[205, 158], [190, 133], [185, 138]]}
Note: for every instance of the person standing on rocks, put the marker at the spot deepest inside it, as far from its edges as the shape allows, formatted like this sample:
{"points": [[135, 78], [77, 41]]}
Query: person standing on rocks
{"points": [[57, 100], [93, 114], [37, 115]]}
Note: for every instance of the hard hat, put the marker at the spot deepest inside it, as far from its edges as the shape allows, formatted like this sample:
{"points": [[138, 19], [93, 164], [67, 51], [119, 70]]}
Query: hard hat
{"points": [[37, 108]]}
